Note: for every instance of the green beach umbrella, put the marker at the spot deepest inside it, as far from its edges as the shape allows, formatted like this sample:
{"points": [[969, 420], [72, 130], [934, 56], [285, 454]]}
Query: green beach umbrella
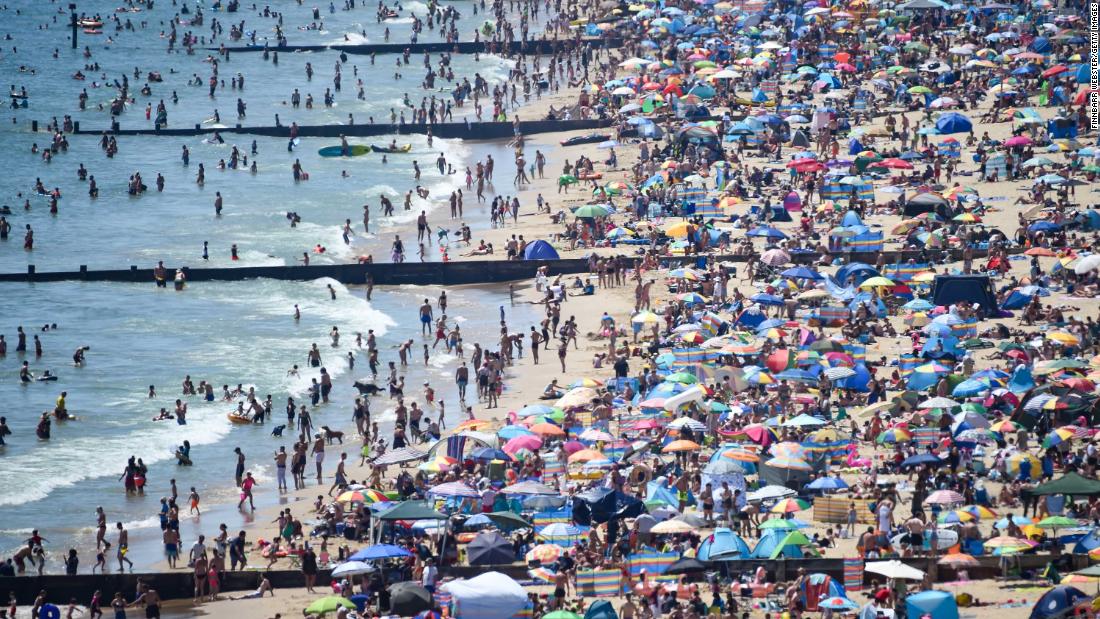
{"points": [[591, 210], [916, 46], [778, 523], [919, 90], [329, 604], [1057, 522], [561, 614], [682, 377]]}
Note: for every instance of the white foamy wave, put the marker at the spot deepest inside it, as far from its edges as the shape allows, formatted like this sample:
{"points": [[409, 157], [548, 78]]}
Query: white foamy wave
{"points": [[254, 258], [146, 523], [414, 7], [350, 38], [441, 359], [69, 458]]}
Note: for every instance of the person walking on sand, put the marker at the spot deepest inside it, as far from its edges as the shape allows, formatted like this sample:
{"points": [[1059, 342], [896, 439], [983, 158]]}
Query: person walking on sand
{"points": [[123, 547]]}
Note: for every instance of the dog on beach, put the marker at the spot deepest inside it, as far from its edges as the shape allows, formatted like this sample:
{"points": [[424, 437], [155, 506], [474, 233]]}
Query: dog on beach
{"points": [[332, 435], [277, 431], [366, 388]]}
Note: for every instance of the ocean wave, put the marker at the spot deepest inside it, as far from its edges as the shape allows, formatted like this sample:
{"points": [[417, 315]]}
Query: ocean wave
{"points": [[67, 460]]}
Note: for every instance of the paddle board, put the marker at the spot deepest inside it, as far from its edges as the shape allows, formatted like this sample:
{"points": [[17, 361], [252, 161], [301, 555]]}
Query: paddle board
{"points": [[354, 150]]}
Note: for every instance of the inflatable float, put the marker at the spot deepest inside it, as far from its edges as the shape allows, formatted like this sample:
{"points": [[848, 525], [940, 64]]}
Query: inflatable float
{"points": [[386, 149]]}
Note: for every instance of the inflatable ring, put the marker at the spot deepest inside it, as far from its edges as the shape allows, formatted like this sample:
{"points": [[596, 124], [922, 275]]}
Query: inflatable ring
{"points": [[640, 474]]}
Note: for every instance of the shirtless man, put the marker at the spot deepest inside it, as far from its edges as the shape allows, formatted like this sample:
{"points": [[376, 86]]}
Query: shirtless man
{"points": [[151, 599], [318, 452], [123, 548], [425, 317]]}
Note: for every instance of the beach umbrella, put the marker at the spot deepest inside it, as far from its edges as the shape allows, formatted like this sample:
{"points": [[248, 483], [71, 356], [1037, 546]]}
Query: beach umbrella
{"points": [[329, 604], [544, 553], [546, 429], [367, 496], [561, 614], [789, 463], [837, 603], [938, 402], [786, 506], [1057, 522], [530, 488], [379, 551], [680, 446], [771, 492], [1007, 544], [669, 527], [894, 569], [775, 257], [646, 317], [409, 598], [945, 497], [957, 560], [352, 568], [530, 442]]}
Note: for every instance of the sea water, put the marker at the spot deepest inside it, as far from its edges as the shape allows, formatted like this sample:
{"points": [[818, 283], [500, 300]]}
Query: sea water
{"points": [[224, 333]]}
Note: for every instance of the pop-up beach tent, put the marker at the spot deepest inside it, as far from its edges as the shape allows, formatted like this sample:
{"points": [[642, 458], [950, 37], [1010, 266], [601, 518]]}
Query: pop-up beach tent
{"points": [[540, 250], [489, 596], [935, 604], [950, 289]]}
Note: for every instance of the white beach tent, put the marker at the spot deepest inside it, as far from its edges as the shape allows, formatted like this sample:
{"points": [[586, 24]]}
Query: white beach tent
{"points": [[491, 595]]}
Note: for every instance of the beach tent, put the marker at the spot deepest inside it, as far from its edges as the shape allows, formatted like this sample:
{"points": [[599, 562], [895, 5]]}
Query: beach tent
{"points": [[950, 289], [540, 250], [489, 596], [1087, 543], [723, 545], [601, 609], [936, 604], [780, 214], [860, 270], [600, 505], [1016, 300], [1057, 602], [490, 548], [769, 544], [817, 587], [1062, 128]]}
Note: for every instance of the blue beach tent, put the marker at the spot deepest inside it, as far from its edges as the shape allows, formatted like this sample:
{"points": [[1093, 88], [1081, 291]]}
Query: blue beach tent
{"points": [[540, 250]]}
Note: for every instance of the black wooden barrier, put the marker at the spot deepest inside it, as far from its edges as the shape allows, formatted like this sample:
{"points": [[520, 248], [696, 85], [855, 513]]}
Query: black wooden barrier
{"points": [[179, 584], [536, 46], [458, 273], [465, 131]]}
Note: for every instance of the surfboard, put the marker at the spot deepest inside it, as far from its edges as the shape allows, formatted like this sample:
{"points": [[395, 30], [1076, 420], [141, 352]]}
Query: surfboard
{"points": [[235, 418], [354, 150], [386, 149], [945, 538]]}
